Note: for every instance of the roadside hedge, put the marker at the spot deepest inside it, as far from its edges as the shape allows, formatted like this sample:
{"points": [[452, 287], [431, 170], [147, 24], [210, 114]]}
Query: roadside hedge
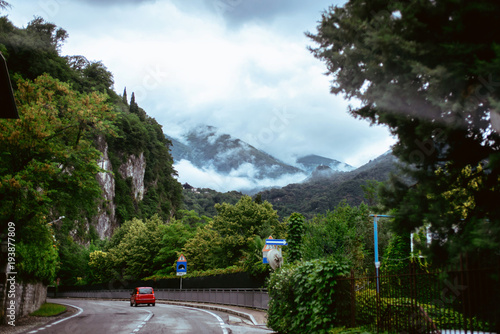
{"points": [[303, 296]]}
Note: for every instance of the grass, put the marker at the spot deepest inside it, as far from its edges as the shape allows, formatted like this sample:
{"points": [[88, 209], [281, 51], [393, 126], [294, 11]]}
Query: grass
{"points": [[49, 309]]}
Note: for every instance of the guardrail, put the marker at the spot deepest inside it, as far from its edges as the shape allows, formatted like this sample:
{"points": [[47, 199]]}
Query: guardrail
{"points": [[253, 298]]}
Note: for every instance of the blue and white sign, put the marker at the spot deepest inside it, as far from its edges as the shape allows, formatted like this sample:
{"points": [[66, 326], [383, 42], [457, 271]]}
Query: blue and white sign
{"points": [[270, 245], [181, 265], [277, 242]]}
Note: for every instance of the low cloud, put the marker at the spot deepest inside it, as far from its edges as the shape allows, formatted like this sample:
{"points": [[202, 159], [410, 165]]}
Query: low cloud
{"points": [[241, 179], [244, 69]]}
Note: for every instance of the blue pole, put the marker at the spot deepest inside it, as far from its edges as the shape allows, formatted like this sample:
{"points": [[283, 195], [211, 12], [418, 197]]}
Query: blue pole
{"points": [[375, 237]]}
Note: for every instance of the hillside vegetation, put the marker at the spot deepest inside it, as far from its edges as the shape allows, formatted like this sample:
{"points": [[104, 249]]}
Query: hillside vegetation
{"points": [[320, 195], [70, 121]]}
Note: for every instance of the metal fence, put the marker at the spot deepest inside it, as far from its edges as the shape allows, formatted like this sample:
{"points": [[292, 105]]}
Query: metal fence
{"points": [[419, 301], [253, 298]]}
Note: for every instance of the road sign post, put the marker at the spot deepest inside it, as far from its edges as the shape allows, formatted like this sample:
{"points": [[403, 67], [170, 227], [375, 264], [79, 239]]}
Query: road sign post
{"points": [[181, 268], [270, 245]]}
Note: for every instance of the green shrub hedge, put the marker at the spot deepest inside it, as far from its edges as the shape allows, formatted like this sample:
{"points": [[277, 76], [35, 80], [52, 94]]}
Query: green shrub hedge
{"points": [[405, 310], [303, 297]]}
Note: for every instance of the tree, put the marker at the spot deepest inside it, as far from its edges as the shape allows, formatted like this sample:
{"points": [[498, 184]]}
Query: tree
{"points": [[124, 97], [47, 32], [295, 234], [345, 233], [371, 190], [174, 238], [4, 4], [132, 251], [427, 70], [34, 51], [253, 263], [48, 166], [228, 237]]}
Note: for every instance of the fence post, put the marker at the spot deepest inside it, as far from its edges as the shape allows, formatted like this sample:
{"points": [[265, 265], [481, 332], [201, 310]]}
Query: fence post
{"points": [[462, 297], [415, 319]]}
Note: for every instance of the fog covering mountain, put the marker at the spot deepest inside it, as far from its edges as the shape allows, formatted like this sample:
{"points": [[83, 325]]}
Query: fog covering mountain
{"points": [[204, 155], [324, 190], [311, 162]]}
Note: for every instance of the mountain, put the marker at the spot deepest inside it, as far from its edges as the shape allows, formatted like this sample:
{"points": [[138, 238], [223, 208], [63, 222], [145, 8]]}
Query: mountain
{"points": [[206, 148], [325, 189], [322, 183], [310, 163], [206, 158]]}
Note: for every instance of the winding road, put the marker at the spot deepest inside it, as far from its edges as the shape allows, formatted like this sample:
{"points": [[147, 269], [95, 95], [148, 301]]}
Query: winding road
{"points": [[102, 316]]}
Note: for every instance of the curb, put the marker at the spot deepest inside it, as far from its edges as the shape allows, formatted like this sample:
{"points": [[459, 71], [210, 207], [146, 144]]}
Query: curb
{"points": [[213, 308]]}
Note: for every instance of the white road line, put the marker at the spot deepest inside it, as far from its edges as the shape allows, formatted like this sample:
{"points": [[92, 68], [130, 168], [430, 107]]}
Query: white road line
{"points": [[221, 322], [58, 321], [143, 323]]}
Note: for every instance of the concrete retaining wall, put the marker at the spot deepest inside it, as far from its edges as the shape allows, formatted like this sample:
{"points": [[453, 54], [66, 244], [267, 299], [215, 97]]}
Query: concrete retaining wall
{"points": [[20, 299]]}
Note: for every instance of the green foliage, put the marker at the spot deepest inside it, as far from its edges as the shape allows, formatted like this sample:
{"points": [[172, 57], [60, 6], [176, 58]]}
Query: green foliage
{"points": [[343, 330], [175, 236], [74, 262], [253, 258], [33, 51], [203, 200], [303, 297], [224, 241], [406, 308], [419, 68], [132, 251], [345, 233], [36, 253], [294, 238], [199, 273], [48, 165], [371, 191], [397, 255]]}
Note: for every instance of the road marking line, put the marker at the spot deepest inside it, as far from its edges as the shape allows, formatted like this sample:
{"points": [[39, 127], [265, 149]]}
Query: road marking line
{"points": [[59, 321], [143, 323], [221, 322]]}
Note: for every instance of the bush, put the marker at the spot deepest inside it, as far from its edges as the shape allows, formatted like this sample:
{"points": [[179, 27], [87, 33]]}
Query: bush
{"points": [[405, 310], [303, 298]]}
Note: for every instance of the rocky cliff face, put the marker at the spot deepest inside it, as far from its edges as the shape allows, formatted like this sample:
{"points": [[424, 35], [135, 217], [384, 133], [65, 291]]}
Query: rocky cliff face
{"points": [[106, 220], [134, 168]]}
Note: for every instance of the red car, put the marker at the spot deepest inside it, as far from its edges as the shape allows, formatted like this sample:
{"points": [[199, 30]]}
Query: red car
{"points": [[142, 295]]}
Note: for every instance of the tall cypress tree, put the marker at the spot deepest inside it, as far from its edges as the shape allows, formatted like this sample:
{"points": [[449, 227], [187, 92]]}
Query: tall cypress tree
{"points": [[124, 97]]}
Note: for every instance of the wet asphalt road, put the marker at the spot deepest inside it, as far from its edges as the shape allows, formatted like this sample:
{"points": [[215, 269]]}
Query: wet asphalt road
{"points": [[101, 316]]}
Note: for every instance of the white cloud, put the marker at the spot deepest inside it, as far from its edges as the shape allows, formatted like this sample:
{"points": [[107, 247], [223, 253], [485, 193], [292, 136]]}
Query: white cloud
{"points": [[244, 69], [241, 179]]}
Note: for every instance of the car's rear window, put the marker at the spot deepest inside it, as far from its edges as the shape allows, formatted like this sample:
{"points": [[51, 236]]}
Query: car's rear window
{"points": [[145, 291]]}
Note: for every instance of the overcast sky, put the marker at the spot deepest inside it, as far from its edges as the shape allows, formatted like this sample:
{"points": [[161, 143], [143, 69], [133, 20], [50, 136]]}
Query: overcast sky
{"points": [[240, 65]]}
